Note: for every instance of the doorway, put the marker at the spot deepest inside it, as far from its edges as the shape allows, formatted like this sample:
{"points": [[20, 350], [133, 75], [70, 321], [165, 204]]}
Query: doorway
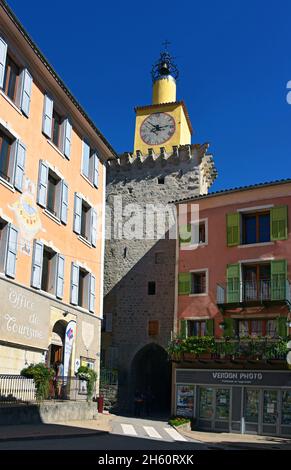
{"points": [[151, 375]]}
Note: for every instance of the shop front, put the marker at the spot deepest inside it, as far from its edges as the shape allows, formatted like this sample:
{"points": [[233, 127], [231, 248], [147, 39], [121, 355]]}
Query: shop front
{"points": [[243, 401]]}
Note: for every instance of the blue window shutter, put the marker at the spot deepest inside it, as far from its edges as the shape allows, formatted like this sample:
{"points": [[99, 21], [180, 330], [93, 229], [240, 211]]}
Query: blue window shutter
{"points": [[47, 116], [67, 138], [10, 264], [42, 183], [37, 259], [3, 55], [92, 294], [77, 213], [20, 154], [26, 91], [93, 227], [85, 159], [74, 284], [65, 202], [60, 276], [95, 170]]}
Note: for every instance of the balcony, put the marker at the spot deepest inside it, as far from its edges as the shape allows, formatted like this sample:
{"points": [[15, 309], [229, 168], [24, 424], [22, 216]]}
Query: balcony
{"points": [[210, 349], [244, 293]]}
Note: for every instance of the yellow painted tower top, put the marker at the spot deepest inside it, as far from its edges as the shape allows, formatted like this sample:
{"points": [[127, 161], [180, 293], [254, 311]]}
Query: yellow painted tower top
{"points": [[164, 123]]}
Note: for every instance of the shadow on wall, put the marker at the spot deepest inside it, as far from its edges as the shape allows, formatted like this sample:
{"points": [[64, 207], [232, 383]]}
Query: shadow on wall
{"points": [[141, 358]]}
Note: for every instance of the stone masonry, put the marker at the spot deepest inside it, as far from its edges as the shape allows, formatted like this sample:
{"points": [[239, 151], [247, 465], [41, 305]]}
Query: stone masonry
{"points": [[131, 264]]}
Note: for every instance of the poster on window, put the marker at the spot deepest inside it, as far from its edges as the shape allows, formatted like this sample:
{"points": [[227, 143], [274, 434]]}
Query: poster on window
{"points": [[185, 400]]}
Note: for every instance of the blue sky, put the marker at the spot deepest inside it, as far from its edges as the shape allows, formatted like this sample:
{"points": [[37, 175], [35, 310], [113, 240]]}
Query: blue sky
{"points": [[234, 59]]}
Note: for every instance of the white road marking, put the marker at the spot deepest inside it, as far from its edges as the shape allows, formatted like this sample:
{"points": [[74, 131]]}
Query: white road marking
{"points": [[152, 432], [175, 435], [128, 429]]}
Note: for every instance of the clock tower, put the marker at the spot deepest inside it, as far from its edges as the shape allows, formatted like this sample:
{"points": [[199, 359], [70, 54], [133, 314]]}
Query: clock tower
{"points": [[164, 123]]}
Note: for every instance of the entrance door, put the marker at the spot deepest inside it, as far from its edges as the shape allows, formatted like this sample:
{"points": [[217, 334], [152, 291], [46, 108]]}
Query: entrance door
{"points": [[56, 354], [214, 408], [270, 421], [252, 409]]}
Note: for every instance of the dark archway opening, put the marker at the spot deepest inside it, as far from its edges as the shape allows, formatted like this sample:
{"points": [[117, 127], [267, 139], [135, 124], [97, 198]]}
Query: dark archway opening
{"points": [[151, 376]]}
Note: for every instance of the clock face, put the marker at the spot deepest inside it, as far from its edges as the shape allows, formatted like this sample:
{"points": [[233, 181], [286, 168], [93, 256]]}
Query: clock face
{"points": [[157, 128]]}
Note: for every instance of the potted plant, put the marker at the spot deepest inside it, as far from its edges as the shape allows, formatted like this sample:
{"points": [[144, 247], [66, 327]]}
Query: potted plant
{"points": [[89, 376], [42, 376]]}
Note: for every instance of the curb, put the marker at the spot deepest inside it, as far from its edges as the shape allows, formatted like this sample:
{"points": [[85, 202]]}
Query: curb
{"points": [[52, 436]]}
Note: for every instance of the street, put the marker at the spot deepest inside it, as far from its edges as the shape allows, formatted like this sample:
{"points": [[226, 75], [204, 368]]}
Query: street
{"points": [[126, 434]]}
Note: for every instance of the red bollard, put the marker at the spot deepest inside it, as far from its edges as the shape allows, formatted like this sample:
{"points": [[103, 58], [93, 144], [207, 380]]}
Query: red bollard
{"points": [[100, 404]]}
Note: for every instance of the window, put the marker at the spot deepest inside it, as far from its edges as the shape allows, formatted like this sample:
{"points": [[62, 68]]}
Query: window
{"points": [[11, 79], [199, 232], [16, 83], [256, 227], [52, 192], [48, 270], [153, 327], [256, 282], [196, 328], [90, 164], [53, 204], [202, 232], [256, 328], [3, 235], [56, 128], [151, 288], [8, 248], [5, 156], [198, 282], [160, 257], [83, 288], [161, 180], [85, 220]]}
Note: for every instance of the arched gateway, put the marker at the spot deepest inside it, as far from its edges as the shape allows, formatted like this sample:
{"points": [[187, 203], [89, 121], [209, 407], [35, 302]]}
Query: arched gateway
{"points": [[151, 373]]}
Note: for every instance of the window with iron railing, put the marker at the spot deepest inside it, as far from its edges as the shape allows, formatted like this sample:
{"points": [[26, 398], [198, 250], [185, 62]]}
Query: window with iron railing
{"points": [[198, 282]]}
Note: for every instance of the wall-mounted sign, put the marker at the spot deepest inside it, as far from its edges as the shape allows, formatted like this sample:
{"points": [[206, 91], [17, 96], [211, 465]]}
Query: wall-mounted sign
{"points": [[24, 316], [233, 377]]}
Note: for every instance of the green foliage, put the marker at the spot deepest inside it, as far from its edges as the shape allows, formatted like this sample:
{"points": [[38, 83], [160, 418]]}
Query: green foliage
{"points": [[178, 420], [41, 376], [88, 374], [247, 347]]}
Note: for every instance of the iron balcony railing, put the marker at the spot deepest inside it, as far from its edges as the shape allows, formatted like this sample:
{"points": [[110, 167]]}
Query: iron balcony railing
{"points": [[108, 377], [253, 291], [15, 389], [251, 348]]}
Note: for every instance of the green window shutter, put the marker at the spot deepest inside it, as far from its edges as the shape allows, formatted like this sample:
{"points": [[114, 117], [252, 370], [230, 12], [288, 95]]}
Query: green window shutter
{"points": [[233, 283], [183, 328], [279, 223], [278, 279], [185, 235], [229, 327], [282, 326], [233, 229], [209, 327], [184, 283]]}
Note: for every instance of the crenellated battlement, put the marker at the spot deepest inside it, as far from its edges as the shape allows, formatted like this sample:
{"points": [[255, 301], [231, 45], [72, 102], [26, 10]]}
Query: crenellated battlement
{"points": [[187, 158]]}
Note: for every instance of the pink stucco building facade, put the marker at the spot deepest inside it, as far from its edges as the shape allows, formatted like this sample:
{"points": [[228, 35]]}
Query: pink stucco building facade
{"points": [[233, 298]]}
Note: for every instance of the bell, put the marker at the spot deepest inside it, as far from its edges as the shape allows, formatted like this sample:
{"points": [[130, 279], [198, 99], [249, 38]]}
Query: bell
{"points": [[164, 69]]}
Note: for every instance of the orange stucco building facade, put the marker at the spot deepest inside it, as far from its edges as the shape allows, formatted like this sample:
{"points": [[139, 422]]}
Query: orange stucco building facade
{"points": [[52, 205]]}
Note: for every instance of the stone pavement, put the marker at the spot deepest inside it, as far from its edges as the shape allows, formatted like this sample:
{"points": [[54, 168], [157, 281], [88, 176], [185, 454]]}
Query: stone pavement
{"points": [[230, 441], [52, 430]]}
